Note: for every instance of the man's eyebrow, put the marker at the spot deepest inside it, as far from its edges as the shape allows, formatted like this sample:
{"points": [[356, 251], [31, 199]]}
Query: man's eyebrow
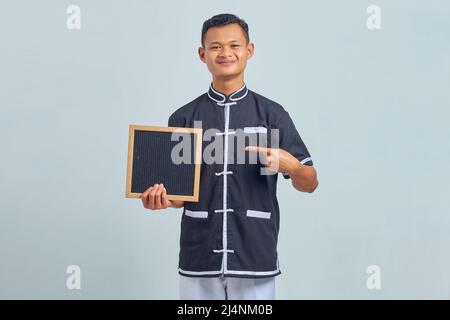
{"points": [[217, 42]]}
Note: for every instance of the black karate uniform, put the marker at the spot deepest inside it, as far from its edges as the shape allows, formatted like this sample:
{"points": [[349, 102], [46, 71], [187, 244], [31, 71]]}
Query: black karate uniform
{"points": [[233, 229]]}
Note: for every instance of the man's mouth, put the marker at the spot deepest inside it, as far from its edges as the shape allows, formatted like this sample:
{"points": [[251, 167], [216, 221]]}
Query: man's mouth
{"points": [[226, 63]]}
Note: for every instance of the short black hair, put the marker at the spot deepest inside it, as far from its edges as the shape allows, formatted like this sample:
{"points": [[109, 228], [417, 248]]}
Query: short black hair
{"points": [[224, 19]]}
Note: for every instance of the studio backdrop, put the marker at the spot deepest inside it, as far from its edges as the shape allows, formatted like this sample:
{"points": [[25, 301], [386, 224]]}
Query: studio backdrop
{"points": [[366, 83]]}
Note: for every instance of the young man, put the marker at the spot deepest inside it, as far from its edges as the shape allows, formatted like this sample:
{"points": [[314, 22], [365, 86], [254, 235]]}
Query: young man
{"points": [[229, 238]]}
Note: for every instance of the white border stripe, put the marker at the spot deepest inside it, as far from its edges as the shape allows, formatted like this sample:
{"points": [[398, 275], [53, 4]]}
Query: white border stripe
{"points": [[200, 272], [221, 210], [221, 173], [258, 214], [306, 160], [225, 164], [196, 214], [253, 273], [233, 99], [225, 133], [218, 93], [239, 272]]}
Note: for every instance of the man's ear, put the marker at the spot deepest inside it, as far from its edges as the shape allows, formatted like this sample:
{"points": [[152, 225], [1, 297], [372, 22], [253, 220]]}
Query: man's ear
{"points": [[201, 54], [250, 50]]}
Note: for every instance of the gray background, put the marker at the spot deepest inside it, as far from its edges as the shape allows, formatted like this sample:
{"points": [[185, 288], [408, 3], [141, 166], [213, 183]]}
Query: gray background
{"points": [[372, 107]]}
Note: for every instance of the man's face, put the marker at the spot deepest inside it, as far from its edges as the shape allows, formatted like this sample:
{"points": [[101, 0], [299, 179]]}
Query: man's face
{"points": [[226, 51]]}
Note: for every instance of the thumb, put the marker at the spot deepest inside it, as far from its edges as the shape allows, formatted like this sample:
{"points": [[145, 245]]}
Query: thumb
{"points": [[164, 196]]}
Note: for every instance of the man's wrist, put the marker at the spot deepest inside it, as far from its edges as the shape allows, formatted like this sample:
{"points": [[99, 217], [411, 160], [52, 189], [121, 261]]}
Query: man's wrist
{"points": [[294, 166]]}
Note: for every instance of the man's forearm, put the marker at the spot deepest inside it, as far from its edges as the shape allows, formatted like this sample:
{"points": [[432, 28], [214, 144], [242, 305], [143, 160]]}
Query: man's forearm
{"points": [[304, 178]]}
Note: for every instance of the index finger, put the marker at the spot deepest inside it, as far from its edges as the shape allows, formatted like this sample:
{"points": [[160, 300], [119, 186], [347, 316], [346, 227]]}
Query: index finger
{"points": [[146, 192], [144, 197], [258, 149]]}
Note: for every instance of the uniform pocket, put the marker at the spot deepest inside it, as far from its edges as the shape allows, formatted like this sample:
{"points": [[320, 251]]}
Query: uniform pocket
{"points": [[196, 214], [258, 214]]}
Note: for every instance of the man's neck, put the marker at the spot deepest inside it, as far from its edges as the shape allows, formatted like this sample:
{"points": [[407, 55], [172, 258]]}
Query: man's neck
{"points": [[228, 86]]}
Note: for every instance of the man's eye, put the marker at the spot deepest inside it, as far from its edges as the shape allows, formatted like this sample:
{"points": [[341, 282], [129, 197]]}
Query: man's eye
{"points": [[235, 46], [215, 47]]}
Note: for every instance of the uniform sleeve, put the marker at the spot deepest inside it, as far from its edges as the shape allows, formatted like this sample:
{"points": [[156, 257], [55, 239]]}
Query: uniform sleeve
{"points": [[291, 141], [176, 121]]}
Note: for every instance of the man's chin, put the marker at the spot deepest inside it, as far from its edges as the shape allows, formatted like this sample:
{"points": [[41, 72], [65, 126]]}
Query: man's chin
{"points": [[227, 75]]}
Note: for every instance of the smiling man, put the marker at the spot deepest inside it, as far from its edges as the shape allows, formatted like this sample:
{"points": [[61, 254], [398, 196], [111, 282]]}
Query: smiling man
{"points": [[228, 242]]}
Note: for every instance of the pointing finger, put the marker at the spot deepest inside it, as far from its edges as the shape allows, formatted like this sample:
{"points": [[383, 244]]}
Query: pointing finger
{"points": [[258, 149]]}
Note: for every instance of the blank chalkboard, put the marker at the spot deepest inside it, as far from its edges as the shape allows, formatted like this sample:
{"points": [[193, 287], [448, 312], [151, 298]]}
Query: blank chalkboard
{"points": [[151, 160]]}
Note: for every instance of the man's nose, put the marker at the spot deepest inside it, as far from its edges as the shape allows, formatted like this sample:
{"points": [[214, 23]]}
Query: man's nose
{"points": [[226, 51]]}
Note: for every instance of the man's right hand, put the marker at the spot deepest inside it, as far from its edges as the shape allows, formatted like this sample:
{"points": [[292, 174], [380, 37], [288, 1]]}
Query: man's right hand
{"points": [[155, 198]]}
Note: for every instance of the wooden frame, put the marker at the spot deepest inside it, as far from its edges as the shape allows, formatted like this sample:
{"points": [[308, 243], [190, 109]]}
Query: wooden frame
{"points": [[197, 159]]}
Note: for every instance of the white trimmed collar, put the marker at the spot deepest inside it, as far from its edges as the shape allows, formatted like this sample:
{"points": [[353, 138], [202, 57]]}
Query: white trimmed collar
{"points": [[218, 97]]}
